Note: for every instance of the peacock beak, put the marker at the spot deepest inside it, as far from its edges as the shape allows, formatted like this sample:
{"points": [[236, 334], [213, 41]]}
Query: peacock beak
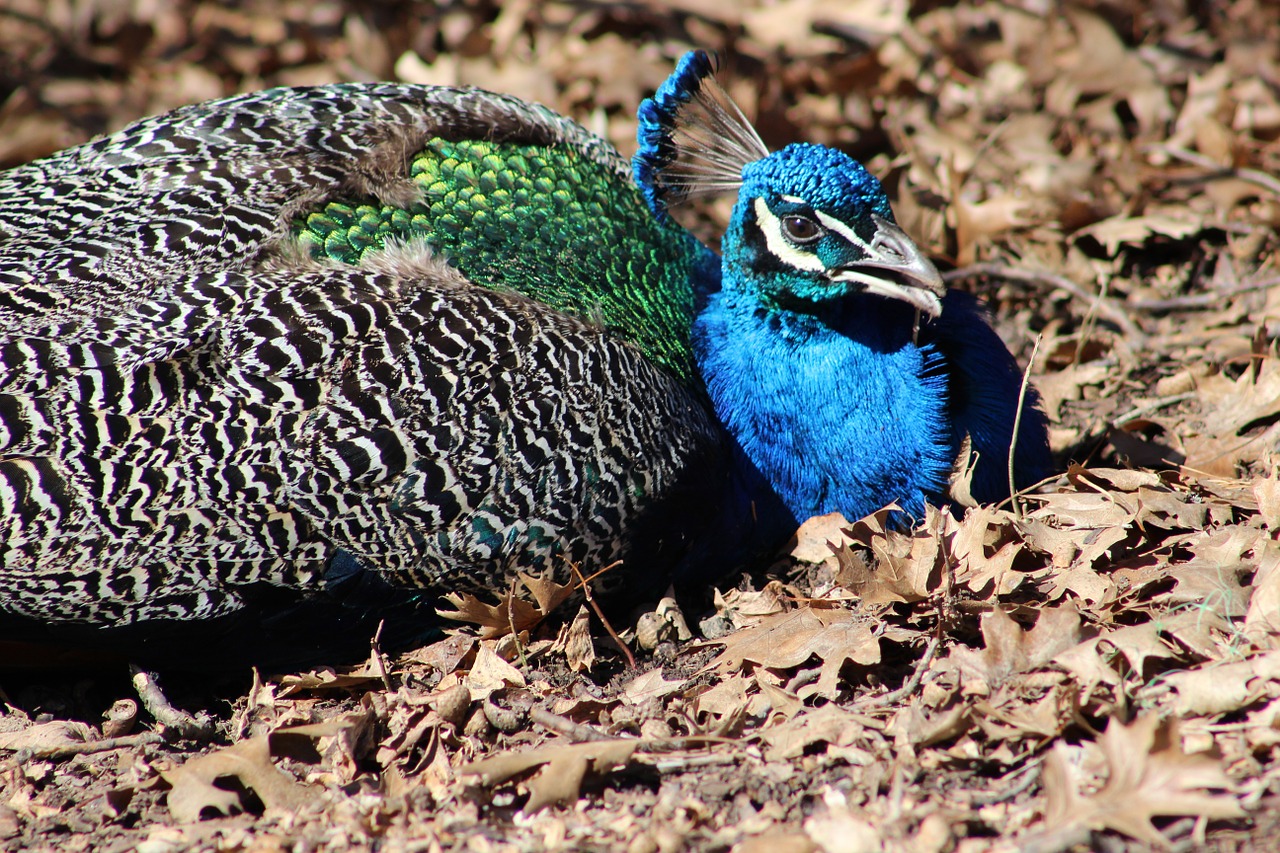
{"points": [[896, 269]]}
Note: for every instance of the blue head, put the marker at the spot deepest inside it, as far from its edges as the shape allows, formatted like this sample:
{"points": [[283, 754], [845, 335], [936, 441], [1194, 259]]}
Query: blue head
{"points": [[812, 226], [835, 394]]}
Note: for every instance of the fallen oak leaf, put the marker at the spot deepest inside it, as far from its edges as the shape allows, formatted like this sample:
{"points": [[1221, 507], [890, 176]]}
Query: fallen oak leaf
{"points": [[510, 613], [1224, 688], [563, 768], [574, 642], [1008, 649], [908, 565], [47, 737], [1149, 776], [546, 591], [1237, 420], [495, 620], [340, 742], [650, 685], [195, 788], [491, 673], [327, 678], [786, 640]]}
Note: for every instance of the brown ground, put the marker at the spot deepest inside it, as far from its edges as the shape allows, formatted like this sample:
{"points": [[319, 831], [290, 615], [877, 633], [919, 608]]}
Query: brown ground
{"points": [[1099, 665]]}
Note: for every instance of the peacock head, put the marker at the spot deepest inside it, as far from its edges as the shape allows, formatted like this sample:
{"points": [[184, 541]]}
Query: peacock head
{"points": [[811, 224]]}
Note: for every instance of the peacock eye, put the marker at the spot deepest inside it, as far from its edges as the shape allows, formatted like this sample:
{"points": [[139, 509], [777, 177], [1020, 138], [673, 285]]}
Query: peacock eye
{"points": [[801, 229]]}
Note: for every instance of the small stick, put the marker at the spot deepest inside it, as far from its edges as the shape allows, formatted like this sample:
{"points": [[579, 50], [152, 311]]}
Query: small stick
{"points": [[106, 744], [586, 591], [1105, 305], [912, 683], [1029, 778], [607, 568], [1155, 405], [180, 723], [375, 652], [576, 732], [511, 623], [1202, 300], [1017, 426]]}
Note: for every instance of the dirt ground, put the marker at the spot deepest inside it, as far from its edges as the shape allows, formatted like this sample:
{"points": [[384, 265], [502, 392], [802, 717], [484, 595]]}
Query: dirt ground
{"points": [[1095, 665]]}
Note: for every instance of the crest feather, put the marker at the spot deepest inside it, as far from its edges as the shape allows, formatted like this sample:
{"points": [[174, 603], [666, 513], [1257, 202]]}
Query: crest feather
{"points": [[694, 140]]}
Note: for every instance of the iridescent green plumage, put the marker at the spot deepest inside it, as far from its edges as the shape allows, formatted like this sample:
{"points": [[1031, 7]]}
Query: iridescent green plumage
{"points": [[540, 220]]}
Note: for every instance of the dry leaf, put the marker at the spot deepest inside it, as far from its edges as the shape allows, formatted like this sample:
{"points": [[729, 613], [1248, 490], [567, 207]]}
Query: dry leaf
{"points": [[46, 736], [786, 640], [1238, 420], [564, 767], [195, 788], [495, 620], [651, 685], [1148, 776], [1223, 688], [575, 642], [829, 724], [491, 673], [1008, 649]]}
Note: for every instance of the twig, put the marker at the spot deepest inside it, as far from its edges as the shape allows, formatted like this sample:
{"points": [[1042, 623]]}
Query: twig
{"points": [[1216, 169], [687, 762], [1057, 839], [1154, 405], [176, 721], [912, 683], [586, 591], [106, 744], [1202, 300], [375, 652], [1017, 426], [801, 678], [1030, 776], [511, 624], [576, 732], [1105, 305]]}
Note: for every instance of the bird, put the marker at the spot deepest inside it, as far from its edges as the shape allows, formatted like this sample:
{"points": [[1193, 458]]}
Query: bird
{"points": [[846, 375], [277, 371]]}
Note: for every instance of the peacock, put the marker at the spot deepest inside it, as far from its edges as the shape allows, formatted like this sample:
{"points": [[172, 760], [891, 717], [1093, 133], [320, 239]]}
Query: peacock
{"points": [[279, 370]]}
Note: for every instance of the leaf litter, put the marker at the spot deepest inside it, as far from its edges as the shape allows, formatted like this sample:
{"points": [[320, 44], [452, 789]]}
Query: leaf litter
{"points": [[1097, 664]]}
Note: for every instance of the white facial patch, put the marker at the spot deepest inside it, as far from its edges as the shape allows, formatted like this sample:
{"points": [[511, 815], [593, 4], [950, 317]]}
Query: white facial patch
{"points": [[832, 224], [779, 245]]}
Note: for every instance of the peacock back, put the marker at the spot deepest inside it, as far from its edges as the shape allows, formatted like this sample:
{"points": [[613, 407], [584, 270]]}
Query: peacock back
{"points": [[334, 351]]}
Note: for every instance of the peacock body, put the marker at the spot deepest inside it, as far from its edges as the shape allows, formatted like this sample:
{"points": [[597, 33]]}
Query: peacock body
{"points": [[219, 396], [278, 369]]}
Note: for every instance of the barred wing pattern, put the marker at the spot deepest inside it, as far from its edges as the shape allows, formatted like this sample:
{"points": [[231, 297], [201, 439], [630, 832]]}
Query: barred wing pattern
{"points": [[191, 410]]}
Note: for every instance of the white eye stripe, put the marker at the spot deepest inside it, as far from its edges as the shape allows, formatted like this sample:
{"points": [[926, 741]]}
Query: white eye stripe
{"points": [[779, 245], [833, 224]]}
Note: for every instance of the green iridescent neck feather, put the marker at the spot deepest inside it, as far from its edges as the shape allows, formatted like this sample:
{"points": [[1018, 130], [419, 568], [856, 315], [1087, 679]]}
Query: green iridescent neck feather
{"points": [[544, 222]]}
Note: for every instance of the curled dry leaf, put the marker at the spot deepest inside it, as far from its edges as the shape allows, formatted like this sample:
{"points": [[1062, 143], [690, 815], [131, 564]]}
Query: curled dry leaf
{"points": [[575, 642], [491, 673], [195, 789], [563, 768], [1238, 420], [46, 736], [908, 567], [1226, 687]]}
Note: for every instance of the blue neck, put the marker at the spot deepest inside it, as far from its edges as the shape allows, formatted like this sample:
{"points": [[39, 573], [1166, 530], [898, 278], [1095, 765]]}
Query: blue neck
{"points": [[835, 408]]}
